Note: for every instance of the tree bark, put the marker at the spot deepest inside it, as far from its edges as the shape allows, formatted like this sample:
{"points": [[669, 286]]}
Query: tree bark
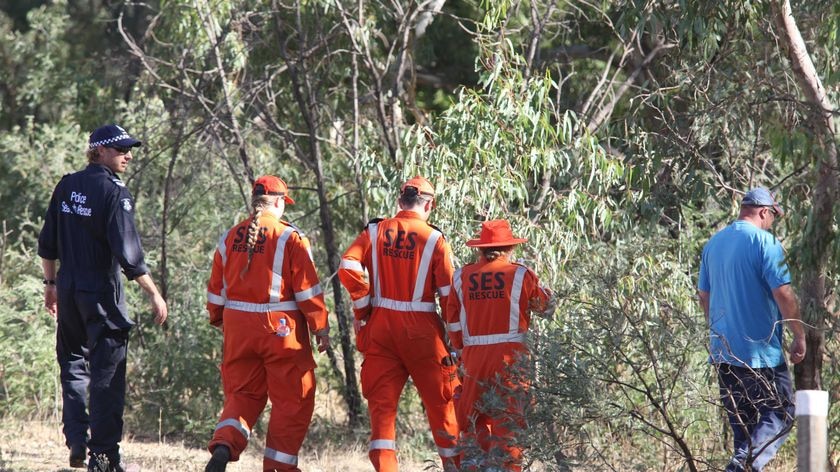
{"points": [[211, 29], [819, 232], [167, 203], [310, 154]]}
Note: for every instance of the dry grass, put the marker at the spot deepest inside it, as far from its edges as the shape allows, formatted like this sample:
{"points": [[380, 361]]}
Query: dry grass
{"points": [[38, 446]]}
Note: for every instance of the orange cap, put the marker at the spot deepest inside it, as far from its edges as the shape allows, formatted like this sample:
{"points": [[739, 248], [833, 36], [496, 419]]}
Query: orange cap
{"points": [[271, 185], [422, 185], [495, 233]]}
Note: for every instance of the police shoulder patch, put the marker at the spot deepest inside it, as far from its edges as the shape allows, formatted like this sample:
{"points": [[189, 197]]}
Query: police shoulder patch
{"points": [[373, 221], [126, 204]]}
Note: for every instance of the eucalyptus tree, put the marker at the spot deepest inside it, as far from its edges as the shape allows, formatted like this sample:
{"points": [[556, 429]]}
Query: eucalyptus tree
{"points": [[616, 135], [687, 97], [712, 91], [252, 77], [820, 232]]}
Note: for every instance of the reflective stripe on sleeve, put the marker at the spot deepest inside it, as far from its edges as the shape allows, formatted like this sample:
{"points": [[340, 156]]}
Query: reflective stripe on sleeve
{"points": [[515, 296], [223, 253], [374, 276], [278, 456], [351, 265], [462, 316], [215, 299], [277, 267], [362, 302], [425, 263], [453, 327], [223, 247], [444, 291], [382, 444], [262, 307], [313, 291], [235, 424]]}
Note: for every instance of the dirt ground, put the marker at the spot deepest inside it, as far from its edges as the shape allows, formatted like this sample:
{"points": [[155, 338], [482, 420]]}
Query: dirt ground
{"points": [[39, 447]]}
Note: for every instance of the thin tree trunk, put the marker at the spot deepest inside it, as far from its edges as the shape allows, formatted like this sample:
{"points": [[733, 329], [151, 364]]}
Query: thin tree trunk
{"points": [[211, 29], [304, 94], [167, 201], [604, 113], [357, 124], [352, 396], [819, 232]]}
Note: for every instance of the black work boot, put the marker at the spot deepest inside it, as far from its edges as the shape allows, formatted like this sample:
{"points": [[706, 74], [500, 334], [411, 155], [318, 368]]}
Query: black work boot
{"points": [[78, 455], [103, 463], [221, 456]]}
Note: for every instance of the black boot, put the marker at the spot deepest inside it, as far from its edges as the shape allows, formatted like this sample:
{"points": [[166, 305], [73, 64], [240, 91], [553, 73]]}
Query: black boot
{"points": [[78, 455], [221, 456], [104, 463]]}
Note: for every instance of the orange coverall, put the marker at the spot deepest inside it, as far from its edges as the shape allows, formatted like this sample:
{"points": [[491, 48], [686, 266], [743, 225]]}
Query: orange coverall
{"points": [[258, 362], [488, 316], [407, 260]]}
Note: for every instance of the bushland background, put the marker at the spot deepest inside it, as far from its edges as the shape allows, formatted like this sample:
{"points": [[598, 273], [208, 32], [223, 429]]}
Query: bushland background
{"points": [[616, 135]]}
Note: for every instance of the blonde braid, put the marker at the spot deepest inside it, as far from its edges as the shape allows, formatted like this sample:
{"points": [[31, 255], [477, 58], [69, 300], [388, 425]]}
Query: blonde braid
{"points": [[258, 203]]}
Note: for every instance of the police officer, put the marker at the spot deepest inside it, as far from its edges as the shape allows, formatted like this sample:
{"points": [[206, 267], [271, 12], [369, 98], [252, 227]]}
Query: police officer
{"points": [[89, 228]]}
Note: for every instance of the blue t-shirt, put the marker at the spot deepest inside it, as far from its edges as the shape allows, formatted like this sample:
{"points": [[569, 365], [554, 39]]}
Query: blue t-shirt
{"points": [[740, 267]]}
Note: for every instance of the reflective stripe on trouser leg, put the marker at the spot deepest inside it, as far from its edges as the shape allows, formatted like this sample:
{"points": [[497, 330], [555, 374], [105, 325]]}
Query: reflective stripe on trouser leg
{"points": [[383, 379], [281, 457], [244, 383], [435, 384], [236, 424], [382, 444], [292, 393], [383, 454], [232, 432]]}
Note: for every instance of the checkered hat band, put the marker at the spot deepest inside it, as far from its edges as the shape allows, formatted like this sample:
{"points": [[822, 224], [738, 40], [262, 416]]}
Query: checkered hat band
{"points": [[110, 140]]}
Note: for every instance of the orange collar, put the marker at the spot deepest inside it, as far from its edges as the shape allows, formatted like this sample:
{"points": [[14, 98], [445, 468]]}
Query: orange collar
{"points": [[408, 214]]}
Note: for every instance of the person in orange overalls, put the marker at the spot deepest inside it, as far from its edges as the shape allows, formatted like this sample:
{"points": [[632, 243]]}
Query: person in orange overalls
{"points": [[489, 318], [265, 295], [392, 271]]}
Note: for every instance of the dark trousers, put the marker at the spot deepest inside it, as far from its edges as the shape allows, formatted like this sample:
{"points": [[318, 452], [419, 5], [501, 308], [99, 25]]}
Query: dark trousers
{"points": [[759, 404], [92, 359]]}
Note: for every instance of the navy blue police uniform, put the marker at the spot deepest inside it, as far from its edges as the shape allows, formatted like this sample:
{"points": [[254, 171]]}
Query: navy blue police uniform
{"points": [[90, 229]]}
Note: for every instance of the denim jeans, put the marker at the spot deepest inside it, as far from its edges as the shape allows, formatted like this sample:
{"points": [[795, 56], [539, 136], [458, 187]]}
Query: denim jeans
{"points": [[759, 404]]}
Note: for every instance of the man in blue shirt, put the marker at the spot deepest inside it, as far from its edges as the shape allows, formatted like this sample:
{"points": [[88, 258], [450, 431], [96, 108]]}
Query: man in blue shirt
{"points": [[89, 228], [744, 289]]}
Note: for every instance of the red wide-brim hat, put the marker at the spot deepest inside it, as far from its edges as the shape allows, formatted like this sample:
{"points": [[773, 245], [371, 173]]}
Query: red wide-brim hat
{"points": [[495, 233]]}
